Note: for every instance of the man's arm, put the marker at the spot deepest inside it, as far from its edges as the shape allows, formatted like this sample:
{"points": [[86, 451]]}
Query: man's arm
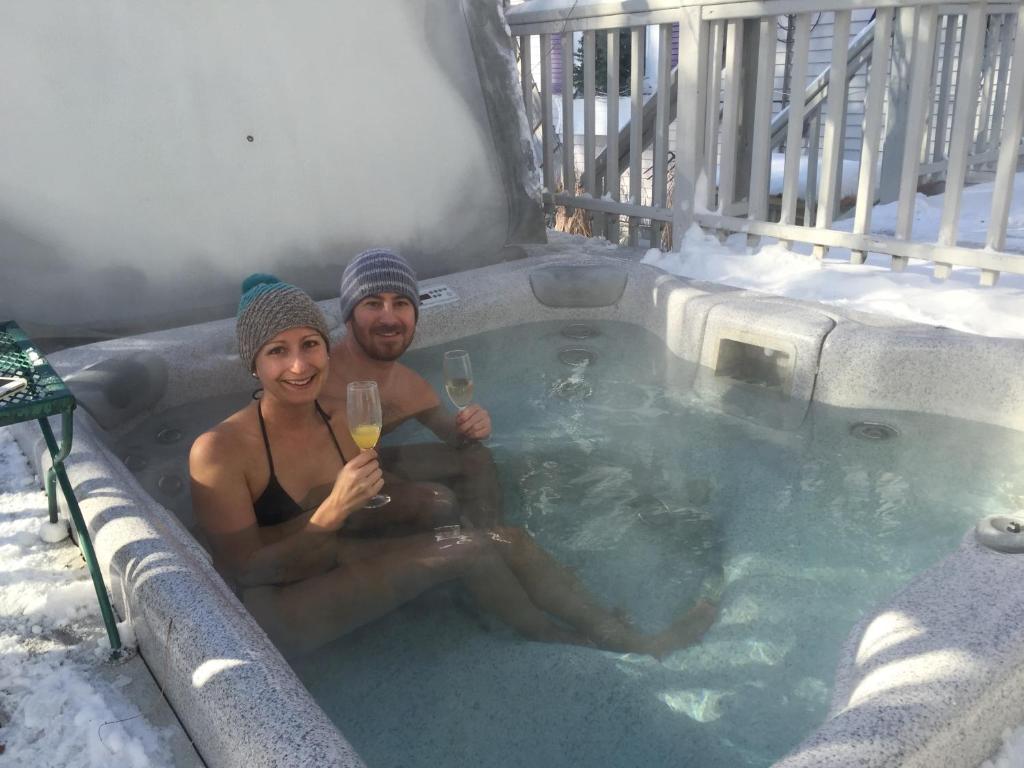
{"points": [[470, 424], [415, 398], [439, 421]]}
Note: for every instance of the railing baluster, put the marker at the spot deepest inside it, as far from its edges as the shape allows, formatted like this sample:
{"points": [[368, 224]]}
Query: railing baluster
{"points": [[730, 117], [760, 162], [794, 131], [636, 128], [963, 122], [611, 153], [1009, 149], [714, 101], [547, 132], [568, 130], [999, 104], [828, 194], [933, 71], [920, 78], [660, 186], [897, 104], [813, 149], [526, 77], [691, 101], [945, 83], [873, 105], [589, 98], [987, 86]]}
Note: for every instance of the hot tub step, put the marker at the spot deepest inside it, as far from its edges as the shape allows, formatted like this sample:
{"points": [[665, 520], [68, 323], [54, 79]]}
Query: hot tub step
{"points": [[759, 359]]}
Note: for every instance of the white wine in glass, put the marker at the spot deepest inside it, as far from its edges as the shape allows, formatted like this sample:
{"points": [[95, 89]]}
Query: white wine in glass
{"points": [[458, 377], [364, 422]]}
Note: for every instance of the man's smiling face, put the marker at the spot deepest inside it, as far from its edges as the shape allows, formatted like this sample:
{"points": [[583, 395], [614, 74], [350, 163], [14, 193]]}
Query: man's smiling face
{"points": [[383, 324]]}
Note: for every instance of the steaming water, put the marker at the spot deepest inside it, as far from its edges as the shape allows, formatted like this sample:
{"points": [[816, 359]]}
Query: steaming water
{"points": [[653, 498]]}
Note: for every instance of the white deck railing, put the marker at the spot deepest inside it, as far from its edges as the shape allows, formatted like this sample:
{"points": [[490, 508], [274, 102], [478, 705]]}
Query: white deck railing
{"points": [[943, 102]]}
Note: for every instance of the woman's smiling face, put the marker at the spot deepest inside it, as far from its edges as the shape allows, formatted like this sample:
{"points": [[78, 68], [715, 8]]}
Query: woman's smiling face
{"points": [[293, 365]]}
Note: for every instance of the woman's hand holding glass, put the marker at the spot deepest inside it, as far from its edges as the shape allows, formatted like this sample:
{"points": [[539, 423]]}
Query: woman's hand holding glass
{"points": [[365, 422], [357, 482]]}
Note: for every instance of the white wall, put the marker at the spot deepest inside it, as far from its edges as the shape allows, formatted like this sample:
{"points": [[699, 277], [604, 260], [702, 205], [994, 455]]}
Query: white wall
{"points": [[130, 195]]}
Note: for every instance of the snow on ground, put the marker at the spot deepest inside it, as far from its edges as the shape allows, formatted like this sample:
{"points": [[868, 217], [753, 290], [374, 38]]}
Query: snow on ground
{"points": [[958, 302], [1011, 755], [62, 703]]}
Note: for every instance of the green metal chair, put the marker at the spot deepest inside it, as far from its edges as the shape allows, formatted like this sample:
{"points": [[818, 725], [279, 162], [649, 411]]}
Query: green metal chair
{"points": [[45, 396]]}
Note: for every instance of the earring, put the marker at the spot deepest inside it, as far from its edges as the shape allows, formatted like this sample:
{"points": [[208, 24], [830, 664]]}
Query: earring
{"points": [[253, 374]]}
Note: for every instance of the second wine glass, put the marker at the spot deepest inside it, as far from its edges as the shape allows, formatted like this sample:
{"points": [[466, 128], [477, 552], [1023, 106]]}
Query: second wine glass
{"points": [[365, 422], [458, 377]]}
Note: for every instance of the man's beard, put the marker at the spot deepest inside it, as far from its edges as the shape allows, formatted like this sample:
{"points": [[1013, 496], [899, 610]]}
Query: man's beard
{"points": [[370, 343]]}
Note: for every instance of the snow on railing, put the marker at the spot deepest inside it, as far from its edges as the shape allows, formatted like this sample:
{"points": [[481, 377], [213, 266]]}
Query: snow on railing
{"points": [[944, 105]]}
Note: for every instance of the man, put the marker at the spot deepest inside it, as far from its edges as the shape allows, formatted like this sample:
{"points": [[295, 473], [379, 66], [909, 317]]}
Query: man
{"points": [[379, 300]]}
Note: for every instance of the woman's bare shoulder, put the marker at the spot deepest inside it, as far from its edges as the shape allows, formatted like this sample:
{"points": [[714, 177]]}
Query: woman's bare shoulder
{"points": [[229, 442]]}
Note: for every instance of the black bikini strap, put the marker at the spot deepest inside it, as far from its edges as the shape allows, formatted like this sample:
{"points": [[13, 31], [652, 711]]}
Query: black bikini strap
{"points": [[327, 421], [266, 441]]}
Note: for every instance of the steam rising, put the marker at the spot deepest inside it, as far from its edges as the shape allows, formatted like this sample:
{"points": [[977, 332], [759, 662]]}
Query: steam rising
{"points": [[132, 197]]}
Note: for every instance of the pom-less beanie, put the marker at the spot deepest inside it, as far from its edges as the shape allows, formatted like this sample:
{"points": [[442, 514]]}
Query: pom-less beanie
{"points": [[269, 306], [377, 270]]}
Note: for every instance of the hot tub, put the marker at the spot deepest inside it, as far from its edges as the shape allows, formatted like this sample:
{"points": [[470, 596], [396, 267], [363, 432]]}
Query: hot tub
{"points": [[770, 399]]}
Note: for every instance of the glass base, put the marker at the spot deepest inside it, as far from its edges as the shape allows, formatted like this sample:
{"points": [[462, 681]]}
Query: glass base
{"points": [[377, 501]]}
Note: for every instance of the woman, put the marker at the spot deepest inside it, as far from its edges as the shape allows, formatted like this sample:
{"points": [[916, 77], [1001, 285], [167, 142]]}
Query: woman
{"points": [[279, 487]]}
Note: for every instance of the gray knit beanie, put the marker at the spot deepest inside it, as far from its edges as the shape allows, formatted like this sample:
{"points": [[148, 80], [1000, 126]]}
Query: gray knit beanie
{"points": [[377, 270], [269, 306]]}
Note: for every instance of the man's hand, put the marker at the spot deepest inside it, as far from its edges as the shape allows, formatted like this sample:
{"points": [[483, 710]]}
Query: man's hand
{"points": [[473, 423]]}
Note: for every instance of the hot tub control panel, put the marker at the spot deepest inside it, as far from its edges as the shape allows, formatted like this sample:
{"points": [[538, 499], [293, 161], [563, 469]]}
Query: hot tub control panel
{"points": [[436, 295]]}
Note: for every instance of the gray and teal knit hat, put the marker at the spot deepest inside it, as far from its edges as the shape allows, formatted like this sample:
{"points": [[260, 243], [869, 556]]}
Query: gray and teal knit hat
{"points": [[377, 270], [269, 306]]}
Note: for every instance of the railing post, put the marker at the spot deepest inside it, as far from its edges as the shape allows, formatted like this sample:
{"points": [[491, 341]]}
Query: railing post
{"points": [[526, 78], [873, 104], [659, 190], [568, 129], [611, 152], [831, 172], [899, 104], [589, 140], [988, 68], [547, 125], [945, 85], [998, 110], [745, 136], [920, 81], [713, 62], [813, 150], [794, 131], [636, 126], [964, 110], [1009, 149], [692, 84], [760, 155], [730, 116]]}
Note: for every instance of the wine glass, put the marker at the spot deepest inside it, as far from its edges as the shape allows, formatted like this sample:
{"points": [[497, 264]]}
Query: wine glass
{"points": [[364, 422], [458, 377]]}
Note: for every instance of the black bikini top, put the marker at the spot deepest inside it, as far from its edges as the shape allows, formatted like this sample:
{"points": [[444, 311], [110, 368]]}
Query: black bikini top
{"points": [[274, 505]]}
